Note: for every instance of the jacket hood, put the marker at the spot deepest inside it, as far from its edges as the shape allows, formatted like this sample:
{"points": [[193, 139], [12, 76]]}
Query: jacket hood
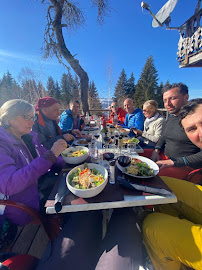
{"points": [[69, 112], [5, 136], [137, 110]]}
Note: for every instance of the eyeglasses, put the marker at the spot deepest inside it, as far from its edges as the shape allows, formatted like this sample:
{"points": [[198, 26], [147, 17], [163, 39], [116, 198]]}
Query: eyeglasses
{"points": [[114, 106], [29, 118]]}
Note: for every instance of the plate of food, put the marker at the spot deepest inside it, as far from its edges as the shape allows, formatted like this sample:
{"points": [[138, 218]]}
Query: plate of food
{"points": [[81, 142], [87, 180], [124, 131], [140, 167], [75, 155], [131, 140], [91, 127]]}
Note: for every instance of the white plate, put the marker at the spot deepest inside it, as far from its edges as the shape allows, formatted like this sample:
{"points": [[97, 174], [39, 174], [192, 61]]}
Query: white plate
{"points": [[76, 142], [148, 161], [89, 128], [125, 132]]}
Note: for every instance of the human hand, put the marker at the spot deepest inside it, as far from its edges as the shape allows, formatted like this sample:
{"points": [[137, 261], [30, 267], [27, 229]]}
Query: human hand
{"points": [[59, 146], [119, 126], [165, 163], [77, 132], [155, 156], [68, 137]]}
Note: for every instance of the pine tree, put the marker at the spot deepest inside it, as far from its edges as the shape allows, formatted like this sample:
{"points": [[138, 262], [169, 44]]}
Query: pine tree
{"points": [[159, 96], [121, 88], [66, 88], [9, 89], [40, 90], [76, 92], [93, 97], [50, 87], [57, 91], [147, 85], [131, 86]]}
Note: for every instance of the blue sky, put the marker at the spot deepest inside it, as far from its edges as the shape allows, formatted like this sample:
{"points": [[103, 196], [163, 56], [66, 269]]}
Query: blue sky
{"points": [[124, 41]]}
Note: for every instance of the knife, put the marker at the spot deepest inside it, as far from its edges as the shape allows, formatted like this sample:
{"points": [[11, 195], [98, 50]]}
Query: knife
{"points": [[60, 195], [143, 188]]}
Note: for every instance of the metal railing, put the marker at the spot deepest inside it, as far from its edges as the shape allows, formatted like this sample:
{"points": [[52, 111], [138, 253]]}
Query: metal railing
{"points": [[165, 112]]}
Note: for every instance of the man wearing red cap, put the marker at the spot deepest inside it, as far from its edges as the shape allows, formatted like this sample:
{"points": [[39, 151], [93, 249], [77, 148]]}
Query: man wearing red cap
{"points": [[48, 111]]}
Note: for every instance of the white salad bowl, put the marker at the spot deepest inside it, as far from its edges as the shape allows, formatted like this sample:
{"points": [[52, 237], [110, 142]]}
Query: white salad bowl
{"points": [[88, 193], [75, 160]]}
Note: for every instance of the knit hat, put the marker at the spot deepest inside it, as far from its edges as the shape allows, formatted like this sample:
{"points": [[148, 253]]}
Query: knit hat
{"points": [[45, 102]]}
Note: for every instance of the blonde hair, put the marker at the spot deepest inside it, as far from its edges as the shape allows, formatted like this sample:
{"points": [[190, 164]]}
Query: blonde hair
{"points": [[152, 104], [12, 109]]}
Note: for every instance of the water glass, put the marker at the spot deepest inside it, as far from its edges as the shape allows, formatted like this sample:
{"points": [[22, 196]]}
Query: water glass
{"points": [[132, 148], [93, 152]]}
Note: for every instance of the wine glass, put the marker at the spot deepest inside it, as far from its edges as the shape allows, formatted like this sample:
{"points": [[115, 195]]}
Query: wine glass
{"points": [[106, 141], [116, 134], [97, 136], [120, 143], [132, 148], [125, 141], [124, 161], [108, 156], [89, 138]]}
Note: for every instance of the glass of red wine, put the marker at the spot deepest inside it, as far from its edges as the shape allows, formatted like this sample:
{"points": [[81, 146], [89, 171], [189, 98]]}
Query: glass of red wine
{"points": [[124, 161], [108, 156], [97, 136], [106, 141]]}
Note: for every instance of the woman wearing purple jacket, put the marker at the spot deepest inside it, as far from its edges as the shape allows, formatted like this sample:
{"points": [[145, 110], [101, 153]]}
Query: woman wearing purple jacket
{"points": [[23, 160]]}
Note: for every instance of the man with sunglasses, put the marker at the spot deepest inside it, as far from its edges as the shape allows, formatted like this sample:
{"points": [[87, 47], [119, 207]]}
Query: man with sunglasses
{"points": [[117, 114]]}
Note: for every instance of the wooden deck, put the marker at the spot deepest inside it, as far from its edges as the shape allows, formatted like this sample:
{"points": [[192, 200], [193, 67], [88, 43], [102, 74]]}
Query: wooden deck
{"points": [[31, 239]]}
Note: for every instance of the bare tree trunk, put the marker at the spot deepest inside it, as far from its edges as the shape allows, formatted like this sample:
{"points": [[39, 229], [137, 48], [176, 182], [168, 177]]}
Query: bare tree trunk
{"points": [[74, 63]]}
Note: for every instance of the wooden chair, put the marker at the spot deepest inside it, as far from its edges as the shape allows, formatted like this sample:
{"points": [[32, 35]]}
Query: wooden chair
{"points": [[51, 223], [51, 226]]}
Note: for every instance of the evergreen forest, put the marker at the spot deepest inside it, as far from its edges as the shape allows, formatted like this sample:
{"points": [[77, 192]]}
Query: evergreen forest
{"points": [[29, 88]]}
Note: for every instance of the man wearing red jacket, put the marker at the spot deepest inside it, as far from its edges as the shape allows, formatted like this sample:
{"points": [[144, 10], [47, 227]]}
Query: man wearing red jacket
{"points": [[117, 114]]}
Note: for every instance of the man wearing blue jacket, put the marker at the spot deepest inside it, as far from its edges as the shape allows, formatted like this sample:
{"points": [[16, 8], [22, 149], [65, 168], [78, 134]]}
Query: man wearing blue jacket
{"points": [[134, 117], [70, 118]]}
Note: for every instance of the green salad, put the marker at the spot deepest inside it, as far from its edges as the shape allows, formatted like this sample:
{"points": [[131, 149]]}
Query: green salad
{"points": [[139, 168], [77, 153], [86, 178]]}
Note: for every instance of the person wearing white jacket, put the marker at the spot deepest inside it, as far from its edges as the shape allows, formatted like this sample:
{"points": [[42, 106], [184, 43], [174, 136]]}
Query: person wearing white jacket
{"points": [[153, 124]]}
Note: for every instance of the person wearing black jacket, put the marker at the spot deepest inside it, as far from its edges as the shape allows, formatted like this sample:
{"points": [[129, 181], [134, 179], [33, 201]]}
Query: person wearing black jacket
{"points": [[173, 236], [178, 150]]}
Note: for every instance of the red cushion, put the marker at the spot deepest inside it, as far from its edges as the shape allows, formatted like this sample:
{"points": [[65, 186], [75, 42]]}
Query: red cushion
{"points": [[22, 262]]}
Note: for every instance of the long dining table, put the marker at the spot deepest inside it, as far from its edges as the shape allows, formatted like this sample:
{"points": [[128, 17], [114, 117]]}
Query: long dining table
{"points": [[113, 195]]}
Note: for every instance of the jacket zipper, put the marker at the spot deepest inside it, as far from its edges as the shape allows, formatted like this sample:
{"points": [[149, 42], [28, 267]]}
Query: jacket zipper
{"points": [[25, 157], [37, 151]]}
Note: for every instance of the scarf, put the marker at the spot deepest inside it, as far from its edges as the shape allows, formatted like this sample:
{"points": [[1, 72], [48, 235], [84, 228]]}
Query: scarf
{"points": [[151, 119]]}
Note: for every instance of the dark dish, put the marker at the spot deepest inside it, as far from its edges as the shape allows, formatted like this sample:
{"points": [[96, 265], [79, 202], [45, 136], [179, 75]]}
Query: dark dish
{"points": [[88, 139], [124, 161], [106, 139], [108, 156]]}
